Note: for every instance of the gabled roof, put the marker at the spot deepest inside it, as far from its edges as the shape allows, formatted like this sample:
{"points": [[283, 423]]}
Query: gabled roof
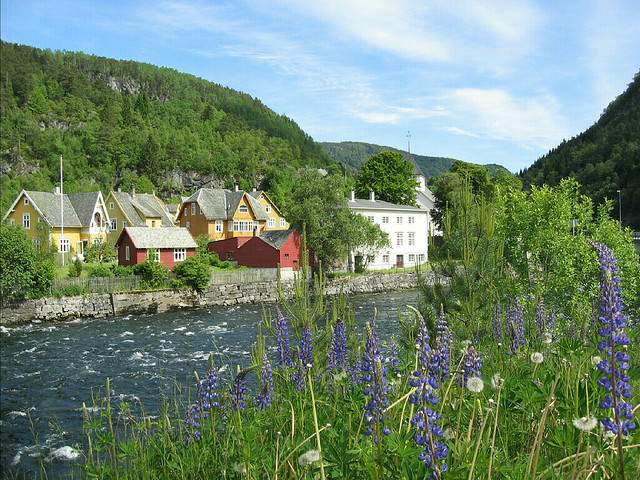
{"points": [[84, 204], [361, 204], [425, 197], [139, 206], [277, 238], [259, 193], [161, 237], [221, 204]]}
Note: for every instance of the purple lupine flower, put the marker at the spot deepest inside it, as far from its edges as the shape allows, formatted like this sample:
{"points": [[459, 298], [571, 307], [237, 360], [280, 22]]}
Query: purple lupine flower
{"points": [[299, 374], [376, 387], [515, 320], [338, 354], [615, 364], [282, 338], [541, 318], [471, 364], [239, 391], [428, 432], [193, 423], [208, 394], [392, 360], [441, 360], [265, 397], [497, 322], [551, 321], [306, 346]]}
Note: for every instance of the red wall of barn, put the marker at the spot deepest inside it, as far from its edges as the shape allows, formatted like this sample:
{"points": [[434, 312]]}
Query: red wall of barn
{"points": [[226, 249], [291, 251], [166, 256], [257, 253]]}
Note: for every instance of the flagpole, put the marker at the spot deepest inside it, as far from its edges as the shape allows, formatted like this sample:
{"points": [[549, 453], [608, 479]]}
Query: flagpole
{"points": [[61, 210]]}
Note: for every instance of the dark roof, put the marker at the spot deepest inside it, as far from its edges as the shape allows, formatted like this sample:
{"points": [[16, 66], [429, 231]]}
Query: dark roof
{"points": [[83, 204], [49, 205], [359, 203], [277, 238], [139, 206], [161, 237], [221, 204]]}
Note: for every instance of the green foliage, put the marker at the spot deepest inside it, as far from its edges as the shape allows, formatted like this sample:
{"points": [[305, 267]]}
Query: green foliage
{"points": [[154, 274], [68, 291], [390, 176], [100, 252], [75, 269], [24, 272], [318, 205], [123, 123], [604, 158], [100, 270], [121, 270], [195, 272]]}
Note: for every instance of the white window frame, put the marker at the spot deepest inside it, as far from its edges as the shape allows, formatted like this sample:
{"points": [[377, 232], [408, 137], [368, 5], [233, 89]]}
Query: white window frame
{"points": [[179, 254], [283, 223], [271, 223], [194, 208], [412, 257], [187, 224], [36, 243], [411, 238], [219, 226], [243, 225], [153, 223], [12, 222], [26, 221], [114, 224], [385, 219], [267, 208], [243, 209], [412, 219], [156, 254], [385, 258], [26, 201], [65, 245], [127, 252], [111, 206], [399, 220], [399, 239], [371, 218], [421, 258]]}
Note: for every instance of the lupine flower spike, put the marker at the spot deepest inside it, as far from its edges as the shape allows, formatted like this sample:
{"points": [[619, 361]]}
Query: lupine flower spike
{"points": [[282, 338], [428, 433], [515, 319], [306, 346], [239, 391], [376, 387], [265, 397], [497, 323], [338, 354], [471, 365], [615, 363]]}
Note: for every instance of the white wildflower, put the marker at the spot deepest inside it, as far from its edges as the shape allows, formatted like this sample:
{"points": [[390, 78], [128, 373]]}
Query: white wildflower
{"points": [[240, 468], [308, 458], [585, 424], [547, 338], [595, 360], [449, 434], [497, 381], [537, 358], [475, 384]]}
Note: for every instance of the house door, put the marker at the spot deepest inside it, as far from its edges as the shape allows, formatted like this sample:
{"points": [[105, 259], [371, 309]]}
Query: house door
{"points": [[400, 261]]}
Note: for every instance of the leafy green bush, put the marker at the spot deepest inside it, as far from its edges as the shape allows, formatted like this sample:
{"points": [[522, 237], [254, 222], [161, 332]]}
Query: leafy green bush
{"points": [[75, 269], [100, 270], [24, 271], [121, 270], [100, 252], [69, 291], [154, 274], [194, 272]]}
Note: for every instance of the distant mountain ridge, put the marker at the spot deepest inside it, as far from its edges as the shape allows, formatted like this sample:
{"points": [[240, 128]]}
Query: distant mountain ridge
{"points": [[604, 158], [354, 154]]}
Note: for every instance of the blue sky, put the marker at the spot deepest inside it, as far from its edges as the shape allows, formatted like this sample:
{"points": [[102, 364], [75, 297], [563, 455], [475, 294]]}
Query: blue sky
{"points": [[483, 81]]}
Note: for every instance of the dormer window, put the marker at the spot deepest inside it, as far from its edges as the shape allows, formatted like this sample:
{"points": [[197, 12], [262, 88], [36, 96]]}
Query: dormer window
{"points": [[267, 208], [26, 201], [244, 208], [194, 207]]}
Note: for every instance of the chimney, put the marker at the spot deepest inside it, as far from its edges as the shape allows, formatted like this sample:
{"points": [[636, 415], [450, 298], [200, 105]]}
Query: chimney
{"points": [[352, 196], [254, 189], [133, 191], [56, 190], [119, 189], [235, 187], [372, 196]]}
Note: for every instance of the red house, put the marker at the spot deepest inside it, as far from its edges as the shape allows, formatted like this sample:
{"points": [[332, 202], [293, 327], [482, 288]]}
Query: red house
{"points": [[170, 244], [271, 249]]}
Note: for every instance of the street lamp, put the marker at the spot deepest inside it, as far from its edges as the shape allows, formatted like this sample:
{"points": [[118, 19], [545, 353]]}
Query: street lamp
{"points": [[620, 206]]}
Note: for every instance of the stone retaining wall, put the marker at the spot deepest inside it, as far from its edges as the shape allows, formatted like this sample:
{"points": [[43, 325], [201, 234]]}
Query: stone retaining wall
{"points": [[106, 304]]}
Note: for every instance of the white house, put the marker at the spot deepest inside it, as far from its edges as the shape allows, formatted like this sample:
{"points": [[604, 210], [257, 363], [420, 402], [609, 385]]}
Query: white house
{"points": [[407, 227]]}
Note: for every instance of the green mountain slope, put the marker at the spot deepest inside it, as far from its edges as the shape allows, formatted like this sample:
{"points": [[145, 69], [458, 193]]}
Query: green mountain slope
{"points": [[354, 154], [124, 123], [604, 158]]}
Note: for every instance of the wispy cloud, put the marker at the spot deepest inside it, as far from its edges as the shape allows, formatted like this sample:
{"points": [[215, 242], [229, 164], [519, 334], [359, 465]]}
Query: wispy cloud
{"points": [[461, 132]]}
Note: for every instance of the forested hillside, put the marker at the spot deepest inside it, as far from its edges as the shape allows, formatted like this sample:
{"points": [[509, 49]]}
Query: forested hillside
{"points": [[604, 158], [354, 154], [124, 123]]}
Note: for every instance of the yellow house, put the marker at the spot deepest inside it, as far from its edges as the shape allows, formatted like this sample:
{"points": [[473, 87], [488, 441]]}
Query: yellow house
{"points": [[275, 220], [220, 213], [82, 217], [135, 210]]}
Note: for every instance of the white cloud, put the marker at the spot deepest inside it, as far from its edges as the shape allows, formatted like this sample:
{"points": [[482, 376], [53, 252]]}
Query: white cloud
{"points": [[534, 121], [461, 132]]}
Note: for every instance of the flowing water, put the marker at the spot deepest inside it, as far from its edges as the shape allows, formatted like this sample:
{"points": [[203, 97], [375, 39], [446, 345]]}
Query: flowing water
{"points": [[49, 370]]}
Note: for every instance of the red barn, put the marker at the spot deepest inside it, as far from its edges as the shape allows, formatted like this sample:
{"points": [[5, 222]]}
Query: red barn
{"points": [[270, 249], [170, 244]]}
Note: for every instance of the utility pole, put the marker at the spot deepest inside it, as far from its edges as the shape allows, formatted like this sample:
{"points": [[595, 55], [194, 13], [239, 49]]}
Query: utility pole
{"points": [[409, 142], [620, 207], [61, 211]]}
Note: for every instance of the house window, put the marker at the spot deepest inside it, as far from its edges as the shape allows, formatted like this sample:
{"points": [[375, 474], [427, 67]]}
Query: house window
{"points": [[194, 208], [153, 223], [267, 208], [411, 238], [271, 223], [370, 218], [398, 219], [370, 258], [244, 208], [385, 258], [412, 219], [65, 245], [385, 219], [283, 223], [156, 254], [12, 222], [26, 220], [421, 258], [36, 243], [127, 252], [114, 224], [187, 224], [412, 257], [111, 206], [179, 254], [286, 255], [399, 238], [26, 201], [219, 226]]}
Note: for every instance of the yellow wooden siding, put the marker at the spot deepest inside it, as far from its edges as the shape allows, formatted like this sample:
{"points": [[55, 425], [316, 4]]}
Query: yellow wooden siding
{"points": [[273, 214], [117, 214]]}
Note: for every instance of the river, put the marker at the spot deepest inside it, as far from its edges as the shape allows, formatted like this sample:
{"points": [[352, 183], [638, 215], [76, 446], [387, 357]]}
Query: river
{"points": [[48, 370]]}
